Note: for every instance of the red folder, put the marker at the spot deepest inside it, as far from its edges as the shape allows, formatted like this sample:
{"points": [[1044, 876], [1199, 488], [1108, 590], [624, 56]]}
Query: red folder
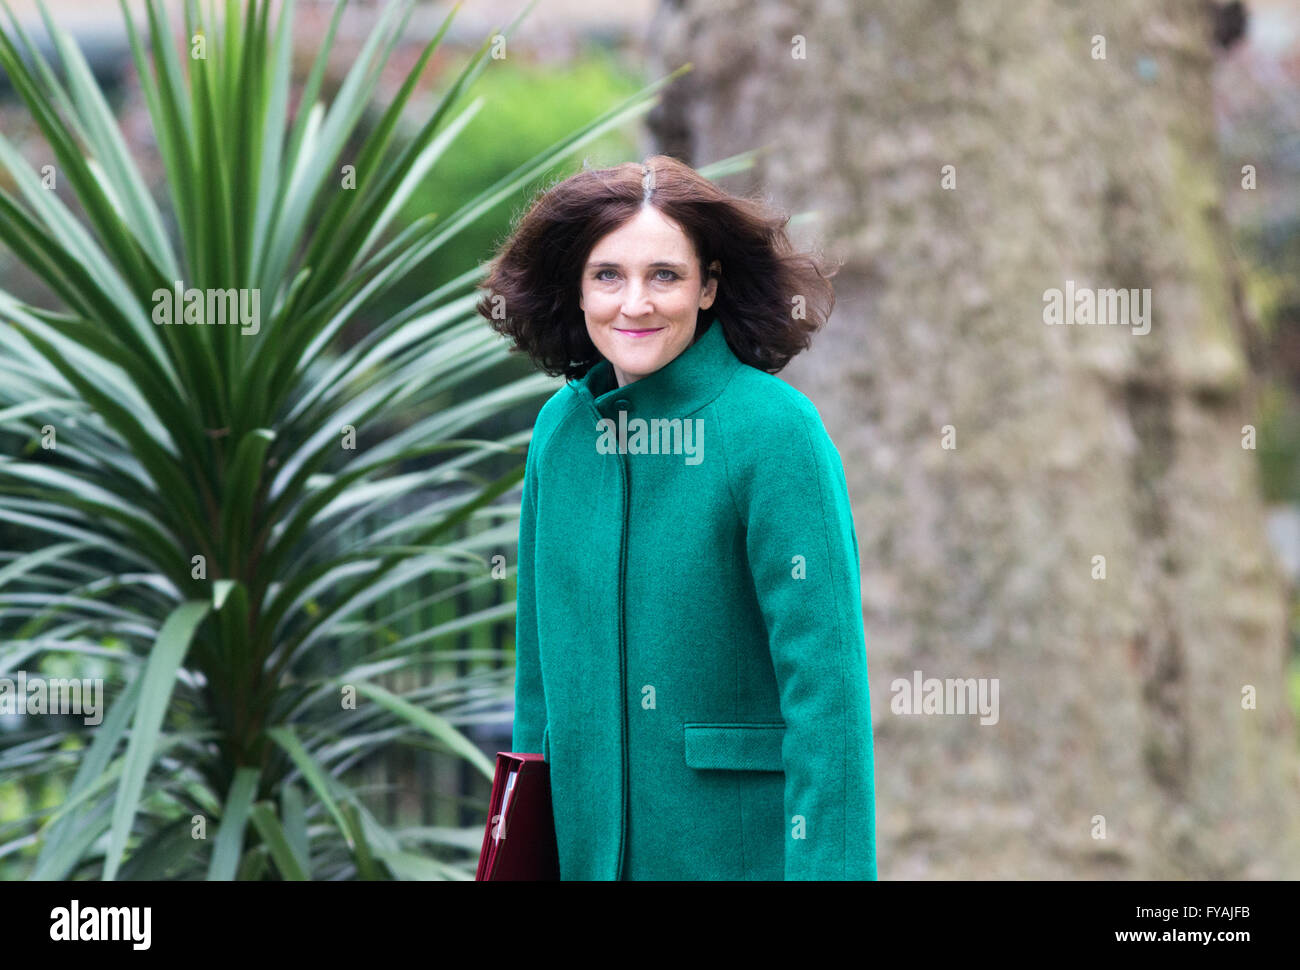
{"points": [[519, 841]]}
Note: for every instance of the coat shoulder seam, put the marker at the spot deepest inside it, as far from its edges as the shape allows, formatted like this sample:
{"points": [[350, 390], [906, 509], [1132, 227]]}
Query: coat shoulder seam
{"points": [[570, 404]]}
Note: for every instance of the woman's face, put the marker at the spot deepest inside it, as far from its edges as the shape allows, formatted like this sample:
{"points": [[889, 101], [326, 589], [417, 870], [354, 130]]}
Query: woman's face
{"points": [[641, 291]]}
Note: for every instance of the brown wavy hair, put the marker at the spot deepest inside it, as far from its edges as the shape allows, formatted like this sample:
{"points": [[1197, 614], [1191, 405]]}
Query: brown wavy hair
{"points": [[534, 279]]}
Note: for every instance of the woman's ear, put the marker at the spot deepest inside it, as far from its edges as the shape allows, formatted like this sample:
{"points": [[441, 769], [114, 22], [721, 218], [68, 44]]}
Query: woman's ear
{"points": [[711, 285]]}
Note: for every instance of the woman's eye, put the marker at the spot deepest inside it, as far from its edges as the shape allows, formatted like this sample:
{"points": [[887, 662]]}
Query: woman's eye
{"points": [[600, 275]]}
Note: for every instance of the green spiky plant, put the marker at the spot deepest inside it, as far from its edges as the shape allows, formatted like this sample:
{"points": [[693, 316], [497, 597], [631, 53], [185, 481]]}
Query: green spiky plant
{"points": [[191, 523]]}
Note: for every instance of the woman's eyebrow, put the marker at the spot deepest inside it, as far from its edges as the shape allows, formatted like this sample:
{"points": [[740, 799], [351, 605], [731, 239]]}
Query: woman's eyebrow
{"points": [[658, 264]]}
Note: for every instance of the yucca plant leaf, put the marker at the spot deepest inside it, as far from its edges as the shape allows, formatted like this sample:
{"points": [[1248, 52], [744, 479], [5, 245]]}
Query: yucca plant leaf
{"points": [[367, 868], [277, 843], [469, 838], [38, 558], [102, 133], [227, 847], [253, 864], [160, 673], [171, 848], [439, 727], [55, 858], [293, 813], [409, 866], [67, 852], [316, 777]]}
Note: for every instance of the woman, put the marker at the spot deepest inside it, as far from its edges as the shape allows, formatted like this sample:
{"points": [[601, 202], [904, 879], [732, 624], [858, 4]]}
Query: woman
{"points": [[689, 648]]}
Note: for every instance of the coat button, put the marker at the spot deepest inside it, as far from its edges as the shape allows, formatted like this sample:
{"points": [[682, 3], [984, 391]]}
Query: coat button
{"points": [[621, 404]]}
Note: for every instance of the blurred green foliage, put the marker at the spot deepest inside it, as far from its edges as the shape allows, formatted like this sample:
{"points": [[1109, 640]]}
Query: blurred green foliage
{"points": [[526, 108]]}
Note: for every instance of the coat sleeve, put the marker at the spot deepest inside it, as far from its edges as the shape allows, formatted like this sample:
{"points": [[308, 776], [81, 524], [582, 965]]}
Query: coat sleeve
{"points": [[530, 699], [802, 551]]}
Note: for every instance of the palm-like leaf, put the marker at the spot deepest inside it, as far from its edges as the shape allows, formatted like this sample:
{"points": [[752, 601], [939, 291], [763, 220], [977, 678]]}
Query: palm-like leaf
{"points": [[174, 442]]}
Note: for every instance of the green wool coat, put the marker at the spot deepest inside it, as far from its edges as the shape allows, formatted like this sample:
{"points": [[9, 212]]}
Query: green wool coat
{"points": [[689, 646]]}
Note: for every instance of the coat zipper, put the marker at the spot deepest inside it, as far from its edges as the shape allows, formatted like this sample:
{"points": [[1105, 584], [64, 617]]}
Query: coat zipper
{"points": [[622, 657], [622, 664]]}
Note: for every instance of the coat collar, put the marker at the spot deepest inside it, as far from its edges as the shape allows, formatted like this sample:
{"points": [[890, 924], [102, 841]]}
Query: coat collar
{"points": [[682, 386]]}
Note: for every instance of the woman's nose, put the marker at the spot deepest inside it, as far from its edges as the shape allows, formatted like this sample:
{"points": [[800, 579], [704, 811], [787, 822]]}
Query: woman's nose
{"points": [[637, 300]]}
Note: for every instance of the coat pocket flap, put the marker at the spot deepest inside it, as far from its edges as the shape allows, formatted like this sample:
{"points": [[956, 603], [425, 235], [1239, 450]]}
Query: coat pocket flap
{"points": [[742, 747]]}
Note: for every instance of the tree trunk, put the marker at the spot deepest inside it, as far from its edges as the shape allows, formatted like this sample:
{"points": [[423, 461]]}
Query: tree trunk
{"points": [[1120, 697]]}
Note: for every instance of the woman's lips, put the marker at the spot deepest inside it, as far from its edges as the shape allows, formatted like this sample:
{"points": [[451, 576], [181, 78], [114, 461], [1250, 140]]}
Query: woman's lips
{"points": [[639, 333]]}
